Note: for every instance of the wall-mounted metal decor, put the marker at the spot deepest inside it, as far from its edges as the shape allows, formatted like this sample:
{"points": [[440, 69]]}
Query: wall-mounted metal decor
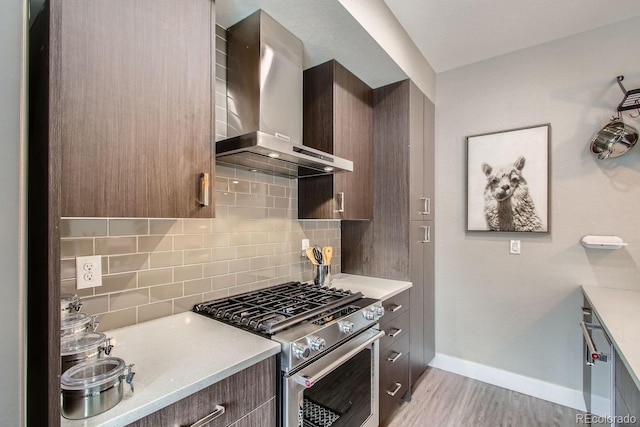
{"points": [[617, 137], [631, 100], [508, 180]]}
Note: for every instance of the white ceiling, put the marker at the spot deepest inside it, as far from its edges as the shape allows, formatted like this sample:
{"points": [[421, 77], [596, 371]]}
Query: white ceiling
{"points": [[327, 30], [453, 33]]}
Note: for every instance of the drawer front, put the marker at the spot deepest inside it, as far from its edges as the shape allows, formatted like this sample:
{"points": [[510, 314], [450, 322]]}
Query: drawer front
{"points": [[240, 394], [393, 379], [390, 356], [395, 306], [394, 330]]}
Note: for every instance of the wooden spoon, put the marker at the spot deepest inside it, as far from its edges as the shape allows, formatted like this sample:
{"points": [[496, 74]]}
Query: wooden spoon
{"points": [[309, 252], [327, 254]]}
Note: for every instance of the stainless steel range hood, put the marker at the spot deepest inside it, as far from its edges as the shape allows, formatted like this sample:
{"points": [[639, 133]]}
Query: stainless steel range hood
{"points": [[264, 104]]}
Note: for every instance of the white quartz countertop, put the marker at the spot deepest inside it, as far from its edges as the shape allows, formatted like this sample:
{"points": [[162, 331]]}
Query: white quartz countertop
{"points": [[174, 357], [371, 287], [619, 312]]}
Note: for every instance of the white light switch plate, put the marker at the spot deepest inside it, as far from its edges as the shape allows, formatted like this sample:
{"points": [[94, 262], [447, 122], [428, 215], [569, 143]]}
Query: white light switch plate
{"points": [[88, 271], [514, 247]]}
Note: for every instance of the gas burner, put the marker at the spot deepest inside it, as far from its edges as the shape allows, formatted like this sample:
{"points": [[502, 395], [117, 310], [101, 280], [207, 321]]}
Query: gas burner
{"points": [[306, 319], [270, 310]]}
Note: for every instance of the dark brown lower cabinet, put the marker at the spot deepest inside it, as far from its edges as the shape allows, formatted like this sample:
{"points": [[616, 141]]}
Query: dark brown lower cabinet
{"points": [[248, 398], [394, 355], [627, 397]]}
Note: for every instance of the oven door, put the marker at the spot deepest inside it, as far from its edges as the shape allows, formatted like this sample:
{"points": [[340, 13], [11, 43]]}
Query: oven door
{"points": [[338, 389]]}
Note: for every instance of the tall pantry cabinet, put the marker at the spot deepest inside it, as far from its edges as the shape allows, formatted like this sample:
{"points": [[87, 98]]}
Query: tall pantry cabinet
{"points": [[399, 242], [120, 125]]}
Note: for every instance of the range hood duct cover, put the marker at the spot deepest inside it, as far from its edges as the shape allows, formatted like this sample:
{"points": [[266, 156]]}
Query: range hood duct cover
{"points": [[264, 104]]}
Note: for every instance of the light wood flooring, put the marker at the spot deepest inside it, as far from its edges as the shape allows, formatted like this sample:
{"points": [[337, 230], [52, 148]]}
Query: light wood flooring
{"points": [[443, 399]]}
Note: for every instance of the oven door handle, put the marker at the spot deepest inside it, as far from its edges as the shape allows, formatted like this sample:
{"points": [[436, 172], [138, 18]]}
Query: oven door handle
{"points": [[308, 380], [593, 353]]}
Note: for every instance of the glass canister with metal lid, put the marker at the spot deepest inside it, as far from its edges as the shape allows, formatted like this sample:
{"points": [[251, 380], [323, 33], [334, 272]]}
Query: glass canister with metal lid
{"points": [[78, 348], [93, 387], [69, 304], [78, 323]]}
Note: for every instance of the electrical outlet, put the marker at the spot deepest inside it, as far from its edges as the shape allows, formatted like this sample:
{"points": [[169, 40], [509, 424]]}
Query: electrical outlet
{"points": [[88, 271], [305, 244], [514, 247]]}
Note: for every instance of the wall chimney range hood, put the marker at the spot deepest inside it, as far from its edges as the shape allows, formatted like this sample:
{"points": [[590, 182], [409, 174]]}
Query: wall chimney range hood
{"points": [[264, 104]]}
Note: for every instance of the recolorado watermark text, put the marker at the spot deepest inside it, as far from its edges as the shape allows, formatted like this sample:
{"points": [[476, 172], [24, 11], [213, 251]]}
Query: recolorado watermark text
{"points": [[607, 419]]}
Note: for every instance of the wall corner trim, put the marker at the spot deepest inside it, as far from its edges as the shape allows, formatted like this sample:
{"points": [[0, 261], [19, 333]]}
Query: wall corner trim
{"points": [[511, 381]]}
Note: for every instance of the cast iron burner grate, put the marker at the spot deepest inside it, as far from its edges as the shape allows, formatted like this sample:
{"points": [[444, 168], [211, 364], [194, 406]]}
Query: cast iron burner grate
{"points": [[270, 310], [316, 415]]}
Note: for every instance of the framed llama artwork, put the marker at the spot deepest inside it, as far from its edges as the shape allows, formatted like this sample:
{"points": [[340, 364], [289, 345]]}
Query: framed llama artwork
{"points": [[508, 180]]}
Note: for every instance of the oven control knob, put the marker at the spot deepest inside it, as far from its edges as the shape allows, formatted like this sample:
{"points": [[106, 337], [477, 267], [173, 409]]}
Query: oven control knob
{"points": [[379, 310], [300, 351], [373, 313], [317, 343], [346, 327]]}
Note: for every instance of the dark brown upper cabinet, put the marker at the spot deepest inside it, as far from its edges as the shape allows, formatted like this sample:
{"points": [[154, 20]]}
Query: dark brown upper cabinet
{"points": [[337, 119], [130, 105]]}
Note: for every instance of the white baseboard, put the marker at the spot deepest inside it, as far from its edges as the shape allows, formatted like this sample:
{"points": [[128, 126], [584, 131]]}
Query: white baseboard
{"points": [[520, 383]]}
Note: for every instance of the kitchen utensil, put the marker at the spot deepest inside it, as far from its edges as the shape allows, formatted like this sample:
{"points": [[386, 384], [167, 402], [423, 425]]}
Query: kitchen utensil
{"points": [[78, 348], [614, 139], [327, 254], [317, 254], [310, 254], [93, 387], [78, 323]]}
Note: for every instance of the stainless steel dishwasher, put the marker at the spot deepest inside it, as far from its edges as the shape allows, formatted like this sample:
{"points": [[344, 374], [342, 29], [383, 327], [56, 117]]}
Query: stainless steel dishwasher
{"points": [[598, 370]]}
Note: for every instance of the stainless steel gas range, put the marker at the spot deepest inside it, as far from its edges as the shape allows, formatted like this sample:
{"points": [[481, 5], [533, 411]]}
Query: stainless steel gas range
{"points": [[328, 364]]}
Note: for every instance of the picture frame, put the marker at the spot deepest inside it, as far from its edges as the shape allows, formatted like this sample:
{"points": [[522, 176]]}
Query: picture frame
{"points": [[508, 180]]}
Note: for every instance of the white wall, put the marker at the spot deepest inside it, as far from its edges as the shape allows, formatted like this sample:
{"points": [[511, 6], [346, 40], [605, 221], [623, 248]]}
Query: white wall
{"points": [[12, 27], [377, 19], [520, 313]]}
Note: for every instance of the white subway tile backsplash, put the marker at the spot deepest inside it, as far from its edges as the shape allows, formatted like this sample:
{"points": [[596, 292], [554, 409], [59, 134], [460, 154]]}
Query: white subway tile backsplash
{"points": [[188, 272], [239, 265], [217, 240], [128, 227], [155, 243], [165, 259], [188, 241], [155, 277], [165, 226], [216, 268], [83, 227], [223, 282]]}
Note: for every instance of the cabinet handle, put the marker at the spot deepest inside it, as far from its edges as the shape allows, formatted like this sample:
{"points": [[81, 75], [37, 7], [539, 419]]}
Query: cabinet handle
{"points": [[219, 410], [397, 389], [340, 202], [396, 333], [593, 354], [426, 210], [394, 358], [203, 189], [427, 234], [395, 307]]}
